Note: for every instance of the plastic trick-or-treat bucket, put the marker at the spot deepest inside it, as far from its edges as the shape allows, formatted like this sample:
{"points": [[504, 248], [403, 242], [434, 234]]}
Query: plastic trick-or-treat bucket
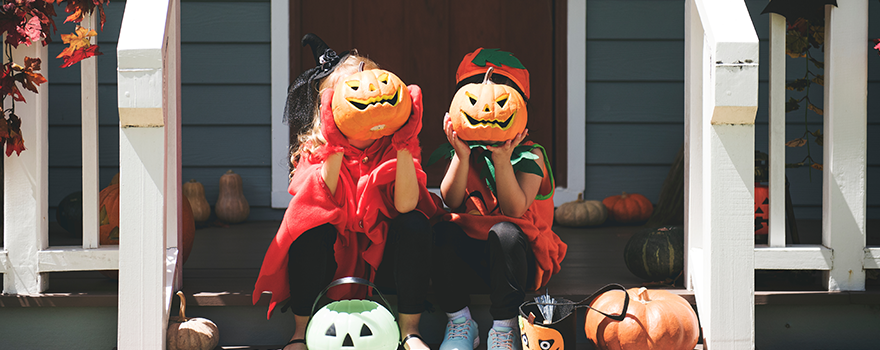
{"points": [[550, 323]]}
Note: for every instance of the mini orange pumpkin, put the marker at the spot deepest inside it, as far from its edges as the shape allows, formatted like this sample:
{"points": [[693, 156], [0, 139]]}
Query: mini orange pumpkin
{"points": [[370, 104], [655, 320], [628, 207], [488, 111]]}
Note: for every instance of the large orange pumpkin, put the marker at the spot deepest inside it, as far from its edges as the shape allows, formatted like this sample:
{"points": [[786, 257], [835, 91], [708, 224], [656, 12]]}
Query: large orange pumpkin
{"points": [[488, 111], [108, 200], [370, 104], [655, 320], [628, 207]]}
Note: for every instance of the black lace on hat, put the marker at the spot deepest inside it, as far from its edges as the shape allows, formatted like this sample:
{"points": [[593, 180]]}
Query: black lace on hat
{"points": [[302, 95]]}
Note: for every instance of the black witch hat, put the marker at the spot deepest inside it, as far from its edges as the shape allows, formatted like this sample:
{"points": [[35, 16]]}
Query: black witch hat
{"points": [[302, 95]]}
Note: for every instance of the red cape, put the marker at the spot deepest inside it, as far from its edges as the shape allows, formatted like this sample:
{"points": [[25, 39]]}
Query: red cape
{"points": [[360, 210], [477, 216]]}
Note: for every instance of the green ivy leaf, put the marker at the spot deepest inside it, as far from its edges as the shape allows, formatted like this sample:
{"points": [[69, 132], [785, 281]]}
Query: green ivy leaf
{"points": [[798, 142], [791, 105], [797, 85], [813, 108], [819, 79], [817, 63]]}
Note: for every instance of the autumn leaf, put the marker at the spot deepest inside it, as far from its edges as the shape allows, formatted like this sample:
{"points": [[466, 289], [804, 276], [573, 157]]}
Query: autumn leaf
{"points": [[7, 83], [28, 77], [877, 46], [813, 108], [797, 85], [819, 79], [796, 44], [4, 129], [78, 8], [791, 105], [32, 31], [79, 47], [14, 143], [816, 166], [817, 63], [798, 142]]}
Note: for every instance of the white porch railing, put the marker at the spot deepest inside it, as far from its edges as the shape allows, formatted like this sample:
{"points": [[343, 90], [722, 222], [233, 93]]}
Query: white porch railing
{"points": [[148, 55], [721, 81], [26, 258], [149, 113]]}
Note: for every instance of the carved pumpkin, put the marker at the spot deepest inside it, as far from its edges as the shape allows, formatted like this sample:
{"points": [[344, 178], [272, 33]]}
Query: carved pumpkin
{"points": [[348, 324], [196, 333], [195, 194], [581, 213], [370, 104], [108, 200], [628, 207], [231, 205], [536, 337], [488, 111], [656, 320]]}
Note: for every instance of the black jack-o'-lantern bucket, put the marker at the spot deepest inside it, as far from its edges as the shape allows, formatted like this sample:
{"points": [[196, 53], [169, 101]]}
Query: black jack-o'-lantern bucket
{"points": [[550, 323]]}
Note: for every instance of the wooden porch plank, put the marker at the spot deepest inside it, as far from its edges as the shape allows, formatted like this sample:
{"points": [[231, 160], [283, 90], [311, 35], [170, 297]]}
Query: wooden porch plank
{"points": [[793, 257], [75, 258]]}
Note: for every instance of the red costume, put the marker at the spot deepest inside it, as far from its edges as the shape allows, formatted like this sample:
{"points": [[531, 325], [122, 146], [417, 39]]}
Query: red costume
{"points": [[359, 210], [479, 212]]}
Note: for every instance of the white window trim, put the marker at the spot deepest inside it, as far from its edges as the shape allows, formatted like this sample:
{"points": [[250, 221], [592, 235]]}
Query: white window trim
{"points": [[577, 75]]}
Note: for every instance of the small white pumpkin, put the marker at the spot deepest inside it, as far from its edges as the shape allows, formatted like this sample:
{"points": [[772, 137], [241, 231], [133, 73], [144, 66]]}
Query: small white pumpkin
{"points": [[191, 333], [581, 213]]}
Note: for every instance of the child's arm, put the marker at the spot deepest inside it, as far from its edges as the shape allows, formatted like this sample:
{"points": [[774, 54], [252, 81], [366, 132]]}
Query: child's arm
{"points": [[452, 188], [330, 171], [332, 151], [406, 186], [515, 191]]}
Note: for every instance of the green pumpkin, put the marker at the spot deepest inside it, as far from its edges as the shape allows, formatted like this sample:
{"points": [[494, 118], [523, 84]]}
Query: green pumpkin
{"points": [[656, 254], [350, 324]]}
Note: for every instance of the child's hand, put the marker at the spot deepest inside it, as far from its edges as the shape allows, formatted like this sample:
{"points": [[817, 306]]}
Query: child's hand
{"points": [[462, 150], [407, 136], [503, 151], [336, 141]]}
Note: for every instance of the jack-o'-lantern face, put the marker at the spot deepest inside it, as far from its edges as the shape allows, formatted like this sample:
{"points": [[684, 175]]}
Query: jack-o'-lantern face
{"points": [[535, 337], [488, 112], [350, 324], [370, 104]]}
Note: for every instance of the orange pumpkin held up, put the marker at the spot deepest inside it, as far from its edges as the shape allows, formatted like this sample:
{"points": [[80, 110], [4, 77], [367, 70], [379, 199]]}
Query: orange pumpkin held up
{"points": [[370, 104], [655, 320], [488, 111], [628, 208]]}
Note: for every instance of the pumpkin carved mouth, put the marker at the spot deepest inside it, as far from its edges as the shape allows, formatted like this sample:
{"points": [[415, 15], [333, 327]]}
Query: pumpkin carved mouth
{"points": [[392, 100], [503, 125]]}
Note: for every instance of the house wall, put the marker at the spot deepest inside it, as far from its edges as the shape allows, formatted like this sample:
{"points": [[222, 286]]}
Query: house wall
{"points": [[634, 102]]}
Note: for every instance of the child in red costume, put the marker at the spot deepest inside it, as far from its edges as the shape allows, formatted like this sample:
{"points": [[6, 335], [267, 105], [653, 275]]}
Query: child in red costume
{"points": [[500, 233], [350, 198]]}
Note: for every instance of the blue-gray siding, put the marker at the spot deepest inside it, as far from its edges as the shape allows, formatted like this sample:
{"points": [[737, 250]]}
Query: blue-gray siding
{"points": [[634, 102]]}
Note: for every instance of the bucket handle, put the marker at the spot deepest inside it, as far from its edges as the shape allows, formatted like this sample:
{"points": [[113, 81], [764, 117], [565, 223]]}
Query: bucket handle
{"points": [[585, 302], [349, 280]]}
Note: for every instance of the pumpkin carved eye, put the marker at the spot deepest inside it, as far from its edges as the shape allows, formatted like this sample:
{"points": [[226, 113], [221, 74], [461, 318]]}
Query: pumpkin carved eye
{"points": [[525, 340], [353, 84], [501, 101], [383, 78], [471, 98], [365, 331], [546, 344], [331, 331]]}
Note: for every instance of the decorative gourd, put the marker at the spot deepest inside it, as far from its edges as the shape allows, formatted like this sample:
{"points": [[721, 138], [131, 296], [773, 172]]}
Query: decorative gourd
{"points": [[628, 208], [537, 337], [108, 201], [581, 213], [488, 111], [195, 194], [347, 324], [370, 104], [655, 320], [656, 254], [69, 213], [231, 205], [191, 333]]}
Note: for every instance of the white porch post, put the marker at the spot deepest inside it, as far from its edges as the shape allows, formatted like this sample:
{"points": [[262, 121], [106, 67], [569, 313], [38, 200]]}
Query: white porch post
{"points": [[845, 156], [720, 183], [148, 125], [776, 142], [90, 168], [26, 187]]}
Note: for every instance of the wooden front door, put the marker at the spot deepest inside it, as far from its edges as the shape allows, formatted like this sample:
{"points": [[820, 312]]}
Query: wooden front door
{"points": [[424, 41]]}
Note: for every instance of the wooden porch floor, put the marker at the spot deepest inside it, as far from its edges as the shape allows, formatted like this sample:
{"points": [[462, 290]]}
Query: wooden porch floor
{"points": [[225, 261]]}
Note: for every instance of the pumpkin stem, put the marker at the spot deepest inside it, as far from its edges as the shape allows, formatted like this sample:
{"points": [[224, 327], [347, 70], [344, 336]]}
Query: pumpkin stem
{"points": [[622, 196], [643, 295], [361, 66], [488, 75], [580, 197], [182, 306], [229, 171]]}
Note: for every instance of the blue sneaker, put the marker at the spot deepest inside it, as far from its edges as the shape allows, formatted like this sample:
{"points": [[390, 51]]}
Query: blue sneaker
{"points": [[461, 334], [504, 338]]}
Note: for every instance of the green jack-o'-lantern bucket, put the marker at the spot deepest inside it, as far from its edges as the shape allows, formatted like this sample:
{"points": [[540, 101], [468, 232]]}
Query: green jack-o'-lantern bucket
{"points": [[352, 324]]}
